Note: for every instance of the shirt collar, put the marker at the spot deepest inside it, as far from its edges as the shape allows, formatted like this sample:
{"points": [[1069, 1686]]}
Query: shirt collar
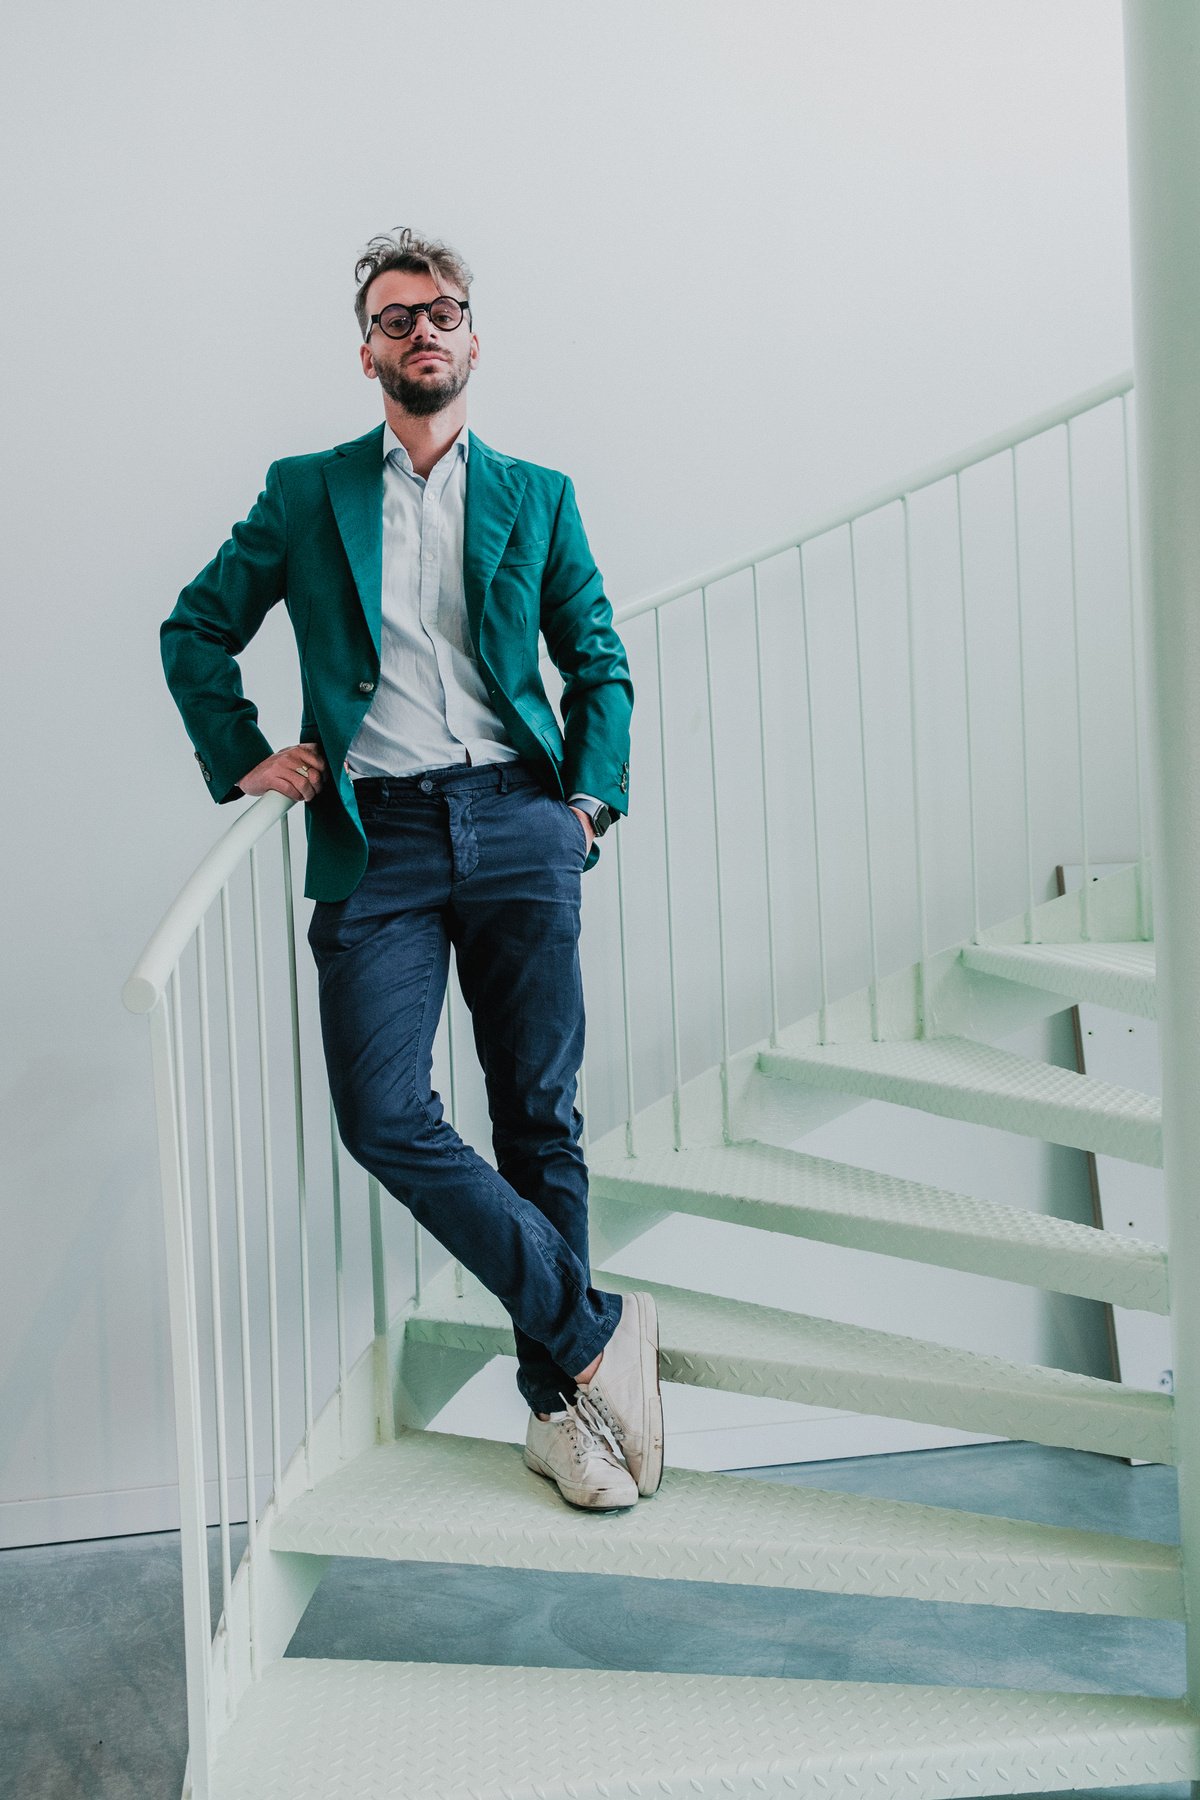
{"points": [[391, 443]]}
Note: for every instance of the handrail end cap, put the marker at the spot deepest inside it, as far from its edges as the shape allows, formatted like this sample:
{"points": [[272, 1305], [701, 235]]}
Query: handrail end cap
{"points": [[139, 995]]}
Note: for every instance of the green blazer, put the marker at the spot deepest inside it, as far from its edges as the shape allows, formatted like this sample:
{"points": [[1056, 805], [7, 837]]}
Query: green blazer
{"points": [[314, 540]]}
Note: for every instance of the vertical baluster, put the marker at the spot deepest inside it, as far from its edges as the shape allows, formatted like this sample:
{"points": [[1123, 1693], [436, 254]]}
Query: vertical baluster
{"points": [[1086, 877], [862, 741], [450, 1058], [1026, 788], [772, 972], [450, 1051], [581, 1103], [298, 1101], [384, 1414], [379, 1295], [1143, 920], [239, 1207], [214, 1271], [672, 978], [185, 1371], [630, 1145], [339, 1280], [966, 641], [716, 803], [914, 751], [822, 962], [185, 1173], [260, 998]]}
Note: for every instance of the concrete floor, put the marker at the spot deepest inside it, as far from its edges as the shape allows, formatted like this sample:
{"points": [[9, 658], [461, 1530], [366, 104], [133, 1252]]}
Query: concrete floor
{"points": [[91, 1665]]}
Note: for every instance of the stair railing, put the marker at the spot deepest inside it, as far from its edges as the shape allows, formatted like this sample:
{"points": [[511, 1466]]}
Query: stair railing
{"points": [[222, 1115], [1037, 520], [699, 902]]}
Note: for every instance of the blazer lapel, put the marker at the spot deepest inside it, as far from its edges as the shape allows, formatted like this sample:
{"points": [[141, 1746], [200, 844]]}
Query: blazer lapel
{"points": [[495, 485], [354, 478]]}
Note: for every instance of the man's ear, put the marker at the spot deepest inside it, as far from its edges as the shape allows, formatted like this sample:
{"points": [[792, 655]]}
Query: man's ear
{"points": [[473, 353], [368, 362]]}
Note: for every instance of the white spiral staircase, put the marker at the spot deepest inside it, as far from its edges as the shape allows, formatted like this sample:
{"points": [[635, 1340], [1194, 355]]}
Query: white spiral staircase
{"points": [[370, 1478]]}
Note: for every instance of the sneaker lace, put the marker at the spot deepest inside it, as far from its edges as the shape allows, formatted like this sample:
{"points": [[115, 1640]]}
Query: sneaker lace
{"points": [[601, 1419], [584, 1436]]}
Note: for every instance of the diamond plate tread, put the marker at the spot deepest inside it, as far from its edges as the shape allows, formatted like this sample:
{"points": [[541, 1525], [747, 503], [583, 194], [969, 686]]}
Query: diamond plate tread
{"points": [[433, 1497], [1121, 976], [962, 1079], [743, 1348], [341, 1730], [810, 1196]]}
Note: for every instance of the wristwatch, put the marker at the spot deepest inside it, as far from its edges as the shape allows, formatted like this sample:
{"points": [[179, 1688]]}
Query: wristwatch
{"points": [[600, 815]]}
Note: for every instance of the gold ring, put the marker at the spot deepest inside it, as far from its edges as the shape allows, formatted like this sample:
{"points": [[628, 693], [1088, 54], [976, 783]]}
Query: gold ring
{"points": [[303, 770]]}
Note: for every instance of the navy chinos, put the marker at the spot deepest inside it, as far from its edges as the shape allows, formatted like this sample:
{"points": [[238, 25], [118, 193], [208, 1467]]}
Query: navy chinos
{"points": [[483, 858]]}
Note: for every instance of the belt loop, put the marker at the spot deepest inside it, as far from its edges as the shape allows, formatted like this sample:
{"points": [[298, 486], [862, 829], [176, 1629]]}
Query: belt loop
{"points": [[384, 791], [503, 779]]}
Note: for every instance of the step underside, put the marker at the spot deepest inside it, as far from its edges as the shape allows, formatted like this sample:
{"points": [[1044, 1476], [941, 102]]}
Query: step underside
{"points": [[1121, 976], [326, 1730], [434, 1497], [959, 1078], [782, 1190], [710, 1342]]}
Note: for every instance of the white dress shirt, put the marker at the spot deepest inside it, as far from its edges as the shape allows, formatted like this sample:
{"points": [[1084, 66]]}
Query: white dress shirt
{"points": [[431, 707]]}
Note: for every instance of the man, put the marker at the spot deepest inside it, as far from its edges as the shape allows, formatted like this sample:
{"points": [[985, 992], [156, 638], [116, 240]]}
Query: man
{"points": [[444, 806]]}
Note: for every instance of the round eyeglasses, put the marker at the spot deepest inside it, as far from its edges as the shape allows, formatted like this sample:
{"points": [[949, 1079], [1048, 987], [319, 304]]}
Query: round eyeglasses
{"points": [[397, 321]]}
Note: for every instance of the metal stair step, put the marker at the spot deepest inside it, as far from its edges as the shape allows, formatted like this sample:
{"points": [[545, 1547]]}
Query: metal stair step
{"points": [[350, 1730], [433, 1497], [782, 1190], [1118, 975], [962, 1079], [735, 1345]]}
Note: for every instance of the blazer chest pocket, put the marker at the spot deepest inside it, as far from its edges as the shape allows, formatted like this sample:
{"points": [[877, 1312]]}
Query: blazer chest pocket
{"points": [[520, 553]]}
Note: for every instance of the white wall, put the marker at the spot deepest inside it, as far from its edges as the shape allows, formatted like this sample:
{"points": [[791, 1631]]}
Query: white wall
{"points": [[928, 202]]}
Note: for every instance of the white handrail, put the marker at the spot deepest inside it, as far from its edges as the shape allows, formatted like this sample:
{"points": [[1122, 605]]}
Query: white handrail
{"points": [[1112, 389], [152, 970]]}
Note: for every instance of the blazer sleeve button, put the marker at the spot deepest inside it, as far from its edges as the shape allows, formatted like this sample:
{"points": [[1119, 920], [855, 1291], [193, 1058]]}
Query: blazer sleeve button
{"points": [[366, 687]]}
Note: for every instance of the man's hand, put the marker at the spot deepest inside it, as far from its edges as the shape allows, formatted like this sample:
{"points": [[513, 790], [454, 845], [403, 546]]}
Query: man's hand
{"points": [[588, 827], [296, 772]]}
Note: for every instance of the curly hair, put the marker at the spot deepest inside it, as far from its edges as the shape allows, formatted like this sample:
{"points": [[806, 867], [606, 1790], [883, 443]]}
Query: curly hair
{"points": [[402, 249]]}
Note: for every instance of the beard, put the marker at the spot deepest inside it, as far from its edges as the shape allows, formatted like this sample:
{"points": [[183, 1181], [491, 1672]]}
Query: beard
{"points": [[422, 398]]}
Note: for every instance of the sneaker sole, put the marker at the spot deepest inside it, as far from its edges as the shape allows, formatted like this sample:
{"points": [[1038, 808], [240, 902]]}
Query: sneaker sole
{"points": [[593, 1500], [650, 1476]]}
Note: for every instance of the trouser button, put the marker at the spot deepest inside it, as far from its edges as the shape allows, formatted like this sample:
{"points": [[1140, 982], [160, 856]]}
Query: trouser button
{"points": [[427, 787]]}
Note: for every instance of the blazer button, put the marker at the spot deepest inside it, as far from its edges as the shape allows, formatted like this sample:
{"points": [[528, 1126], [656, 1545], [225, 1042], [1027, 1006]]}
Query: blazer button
{"points": [[366, 687]]}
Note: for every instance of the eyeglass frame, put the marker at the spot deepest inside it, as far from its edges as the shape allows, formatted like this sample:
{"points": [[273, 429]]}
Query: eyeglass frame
{"points": [[418, 307]]}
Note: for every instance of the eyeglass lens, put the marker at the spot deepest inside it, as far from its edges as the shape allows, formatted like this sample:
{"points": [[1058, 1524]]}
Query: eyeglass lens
{"points": [[444, 312]]}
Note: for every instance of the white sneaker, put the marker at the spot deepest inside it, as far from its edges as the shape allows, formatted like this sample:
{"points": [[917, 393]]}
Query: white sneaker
{"points": [[566, 1449], [624, 1397]]}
